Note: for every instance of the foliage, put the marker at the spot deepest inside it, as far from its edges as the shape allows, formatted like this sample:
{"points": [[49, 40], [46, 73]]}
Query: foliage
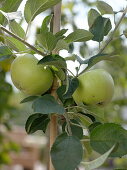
{"points": [[102, 136]]}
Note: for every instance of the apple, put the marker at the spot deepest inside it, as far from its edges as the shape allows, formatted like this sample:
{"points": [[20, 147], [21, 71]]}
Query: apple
{"points": [[96, 87], [29, 77]]}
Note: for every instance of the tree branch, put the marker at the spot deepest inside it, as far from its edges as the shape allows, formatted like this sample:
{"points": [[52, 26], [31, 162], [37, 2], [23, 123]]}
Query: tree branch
{"points": [[21, 40], [55, 27], [112, 34]]}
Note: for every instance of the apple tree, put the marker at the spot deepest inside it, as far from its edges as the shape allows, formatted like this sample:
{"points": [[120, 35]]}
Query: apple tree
{"points": [[70, 105]]}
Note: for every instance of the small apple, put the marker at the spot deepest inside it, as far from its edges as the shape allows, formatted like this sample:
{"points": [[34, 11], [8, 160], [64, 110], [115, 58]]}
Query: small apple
{"points": [[96, 87], [29, 77]]}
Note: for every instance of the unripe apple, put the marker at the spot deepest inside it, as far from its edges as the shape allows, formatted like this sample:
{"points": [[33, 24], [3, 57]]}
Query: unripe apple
{"points": [[96, 87], [29, 77]]}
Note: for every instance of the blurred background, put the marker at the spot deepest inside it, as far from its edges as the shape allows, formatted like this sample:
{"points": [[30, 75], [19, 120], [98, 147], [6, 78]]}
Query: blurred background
{"points": [[29, 152]]}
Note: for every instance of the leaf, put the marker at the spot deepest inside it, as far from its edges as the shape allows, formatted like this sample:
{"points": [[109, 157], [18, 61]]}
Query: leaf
{"points": [[17, 29], [71, 87], [66, 152], [45, 23], [29, 99], [33, 8], [89, 116], [60, 92], [76, 130], [9, 6], [5, 52], [107, 26], [61, 45], [97, 29], [104, 136], [12, 15], [97, 58], [60, 73], [36, 122], [93, 125], [61, 33], [47, 40], [46, 105], [54, 60], [92, 16], [99, 161], [79, 35], [15, 44], [104, 8], [85, 120], [96, 111]]}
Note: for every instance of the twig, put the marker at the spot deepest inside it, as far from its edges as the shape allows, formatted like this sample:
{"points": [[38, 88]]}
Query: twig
{"points": [[112, 34], [21, 40], [68, 123]]}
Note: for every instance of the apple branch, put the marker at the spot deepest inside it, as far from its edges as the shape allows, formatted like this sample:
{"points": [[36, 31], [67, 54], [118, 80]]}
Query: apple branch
{"points": [[21, 40], [112, 34], [53, 123]]}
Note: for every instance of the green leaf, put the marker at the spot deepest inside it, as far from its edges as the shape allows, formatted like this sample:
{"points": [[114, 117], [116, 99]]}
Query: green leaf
{"points": [[9, 6], [45, 23], [71, 87], [29, 99], [5, 52], [60, 73], [60, 92], [96, 111], [17, 29], [85, 120], [92, 16], [79, 35], [33, 8], [104, 8], [47, 40], [54, 60], [15, 44], [97, 29], [61, 33], [36, 122], [93, 125], [66, 152], [107, 26], [46, 105], [89, 116], [76, 130], [104, 136], [99, 161], [97, 58], [61, 45]]}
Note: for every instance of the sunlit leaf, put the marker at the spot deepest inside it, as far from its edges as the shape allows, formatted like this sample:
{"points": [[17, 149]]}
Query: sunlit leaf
{"points": [[79, 35], [33, 8], [104, 8]]}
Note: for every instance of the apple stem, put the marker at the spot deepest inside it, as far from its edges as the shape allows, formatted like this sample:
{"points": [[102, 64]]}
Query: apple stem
{"points": [[53, 130], [21, 40]]}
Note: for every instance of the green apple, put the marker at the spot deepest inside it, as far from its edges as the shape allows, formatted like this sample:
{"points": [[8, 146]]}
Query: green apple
{"points": [[29, 77], [96, 87]]}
